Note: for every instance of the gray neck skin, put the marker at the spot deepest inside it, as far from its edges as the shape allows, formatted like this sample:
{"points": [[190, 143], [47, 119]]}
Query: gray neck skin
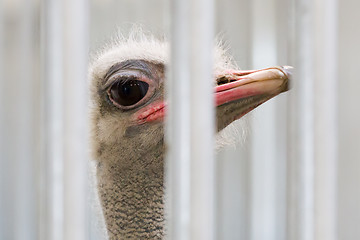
{"points": [[132, 199]]}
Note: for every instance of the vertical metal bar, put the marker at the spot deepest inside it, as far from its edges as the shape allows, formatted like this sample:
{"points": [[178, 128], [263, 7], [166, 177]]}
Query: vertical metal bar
{"points": [[191, 121], [4, 209], [202, 121], [349, 118], [75, 118], [301, 132], [52, 210], [19, 114], [26, 136], [326, 129], [313, 130], [178, 125]]}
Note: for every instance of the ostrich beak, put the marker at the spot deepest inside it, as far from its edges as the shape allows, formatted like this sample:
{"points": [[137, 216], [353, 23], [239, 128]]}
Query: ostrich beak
{"points": [[236, 93], [239, 92]]}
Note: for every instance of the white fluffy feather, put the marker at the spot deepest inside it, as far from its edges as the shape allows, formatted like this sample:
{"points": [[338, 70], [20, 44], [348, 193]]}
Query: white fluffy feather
{"points": [[141, 45]]}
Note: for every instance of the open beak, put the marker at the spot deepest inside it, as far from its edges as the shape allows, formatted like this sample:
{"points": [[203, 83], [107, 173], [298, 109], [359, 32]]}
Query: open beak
{"points": [[239, 92], [236, 93]]}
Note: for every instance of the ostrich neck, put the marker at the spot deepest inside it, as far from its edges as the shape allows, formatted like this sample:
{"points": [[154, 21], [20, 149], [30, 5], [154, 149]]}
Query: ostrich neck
{"points": [[132, 200]]}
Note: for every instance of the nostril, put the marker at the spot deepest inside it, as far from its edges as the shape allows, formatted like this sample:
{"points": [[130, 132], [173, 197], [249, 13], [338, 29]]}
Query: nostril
{"points": [[222, 80]]}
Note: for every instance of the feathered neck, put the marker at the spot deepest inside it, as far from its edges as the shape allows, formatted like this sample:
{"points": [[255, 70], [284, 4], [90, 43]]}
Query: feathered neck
{"points": [[133, 199]]}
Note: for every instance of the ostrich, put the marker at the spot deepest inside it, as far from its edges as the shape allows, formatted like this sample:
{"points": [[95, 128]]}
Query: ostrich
{"points": [[127, 92]]}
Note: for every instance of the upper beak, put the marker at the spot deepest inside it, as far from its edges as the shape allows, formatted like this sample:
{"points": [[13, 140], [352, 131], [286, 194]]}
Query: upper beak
{"points": [[238, 92]]}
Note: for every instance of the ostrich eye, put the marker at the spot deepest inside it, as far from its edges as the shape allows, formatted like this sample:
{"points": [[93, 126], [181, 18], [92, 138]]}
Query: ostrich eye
{"points": [[128, 93]]}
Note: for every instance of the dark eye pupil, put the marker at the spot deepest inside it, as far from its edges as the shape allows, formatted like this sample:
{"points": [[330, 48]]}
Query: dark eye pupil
{"points": [[128, 93]]}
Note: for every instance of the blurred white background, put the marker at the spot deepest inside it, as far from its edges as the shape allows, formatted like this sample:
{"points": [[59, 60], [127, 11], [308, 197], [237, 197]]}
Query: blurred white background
{"points": [[296, 176]]}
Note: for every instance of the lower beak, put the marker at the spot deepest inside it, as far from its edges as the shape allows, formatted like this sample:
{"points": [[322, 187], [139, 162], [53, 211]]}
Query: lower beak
{"points": [[238, 92]]}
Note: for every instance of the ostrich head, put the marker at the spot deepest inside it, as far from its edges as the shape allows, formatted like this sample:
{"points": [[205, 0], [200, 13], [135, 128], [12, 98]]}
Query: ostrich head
{"points": [[127, 85]]}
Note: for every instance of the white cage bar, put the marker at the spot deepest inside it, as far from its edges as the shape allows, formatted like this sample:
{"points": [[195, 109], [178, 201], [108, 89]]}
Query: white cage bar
{"points": [[64, 66], [76, 118], [313, 118], [20, 111], [51, 221], [191, 122]]}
